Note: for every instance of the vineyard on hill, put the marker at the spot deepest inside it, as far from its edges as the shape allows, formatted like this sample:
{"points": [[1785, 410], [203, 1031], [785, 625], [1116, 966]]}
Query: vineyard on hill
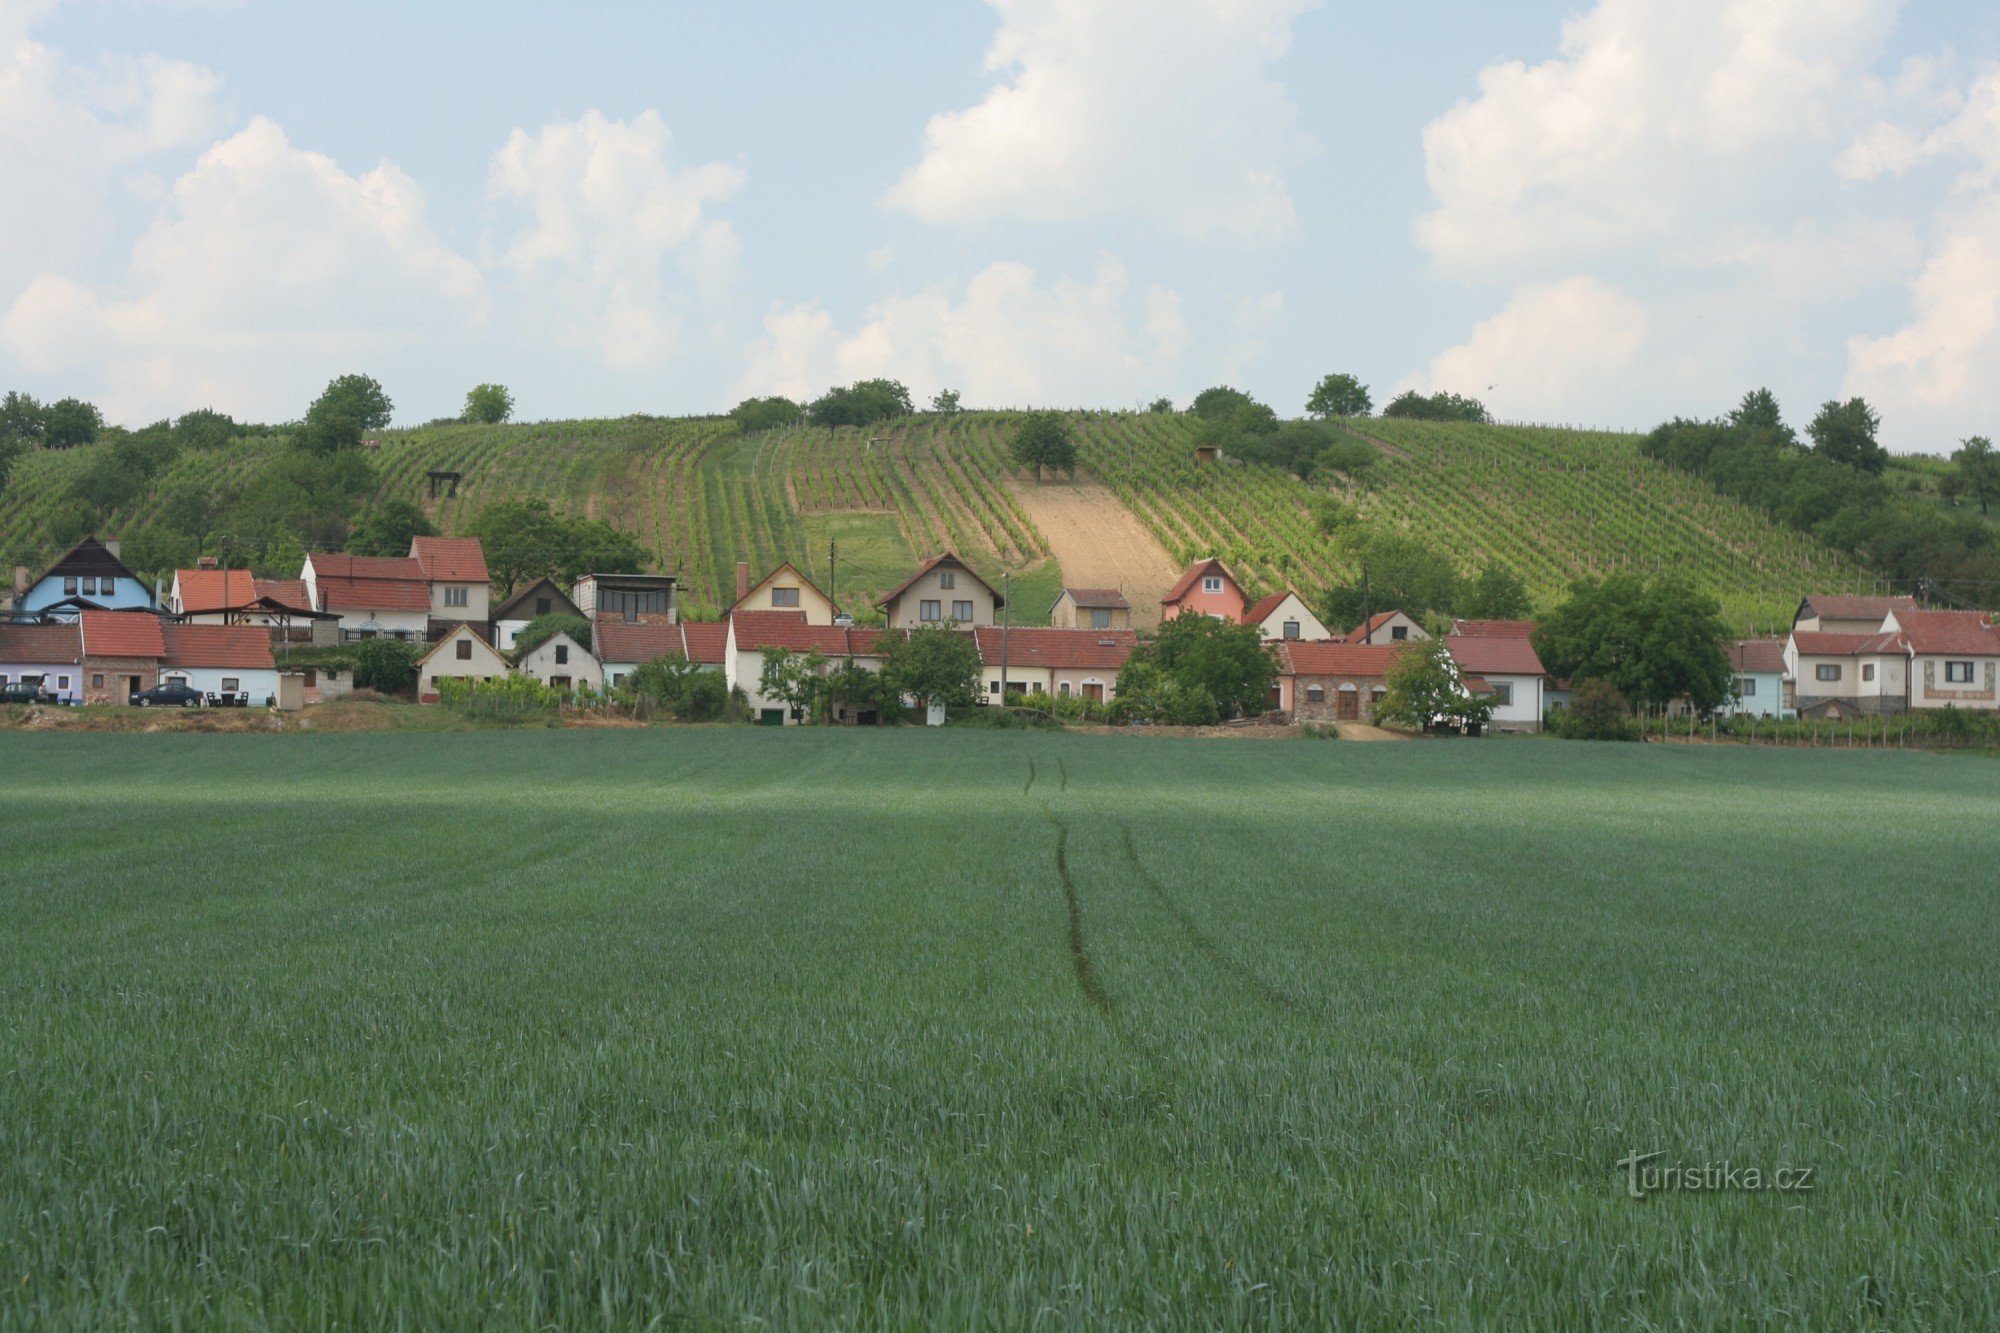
{"points": [[1552, 505]]}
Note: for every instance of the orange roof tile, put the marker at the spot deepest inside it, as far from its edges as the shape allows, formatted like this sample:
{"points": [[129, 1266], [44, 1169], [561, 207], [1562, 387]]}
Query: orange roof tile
{"points": [[1058, 649], [370, 583], [243, 647], [450, 559], [1494, 655], [1966, 633], [41, 645], [1493, 629], [206, 590], [1194, 572], [703, 641], [1758, 656], [1099, 598], [1296, 658], [122, 634], [788, 629]]}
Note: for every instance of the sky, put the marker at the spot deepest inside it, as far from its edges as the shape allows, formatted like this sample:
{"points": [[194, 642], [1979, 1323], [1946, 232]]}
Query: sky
{"points": [[1600, 214]]}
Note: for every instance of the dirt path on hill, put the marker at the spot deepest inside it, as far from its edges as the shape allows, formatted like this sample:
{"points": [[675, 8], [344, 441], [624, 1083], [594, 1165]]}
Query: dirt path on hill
{"points": [[1100, 543]]}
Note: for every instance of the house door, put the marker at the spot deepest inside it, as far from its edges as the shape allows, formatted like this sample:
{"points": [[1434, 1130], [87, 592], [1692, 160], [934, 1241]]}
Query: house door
{"points": [[1349, 707], [132, 688], [771, 717], [1094, 693]]}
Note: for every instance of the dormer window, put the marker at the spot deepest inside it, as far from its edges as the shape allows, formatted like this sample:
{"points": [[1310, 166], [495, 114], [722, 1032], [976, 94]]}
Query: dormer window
{"points": [[1292, 629], [947, 578], [1398, 633], [788, 597]]}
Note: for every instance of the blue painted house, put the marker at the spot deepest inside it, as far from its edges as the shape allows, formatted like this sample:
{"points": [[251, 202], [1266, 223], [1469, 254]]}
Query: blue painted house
{"points": [[90, 576]]}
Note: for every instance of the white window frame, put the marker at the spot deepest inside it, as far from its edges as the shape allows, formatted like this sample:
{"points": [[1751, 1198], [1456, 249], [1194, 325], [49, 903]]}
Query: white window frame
{"points": [[1503, 692], [1211, 583], [961, 611], [1827, 673], [930, 611], [787, 598], [947, 579], [1952, 670]]}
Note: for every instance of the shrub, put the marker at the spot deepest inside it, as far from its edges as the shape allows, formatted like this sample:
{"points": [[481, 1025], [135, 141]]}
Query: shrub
{"points": [[387, 666], [681, 690], [1596, 712], [510, 698]]}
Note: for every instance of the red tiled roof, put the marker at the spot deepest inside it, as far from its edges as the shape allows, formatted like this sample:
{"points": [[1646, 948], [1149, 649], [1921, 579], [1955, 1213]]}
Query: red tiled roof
{"points": [[1493, 629], [1476, 684], [1099, 598], [788, 629], [704, 641], [1967, 633], [1840, 607], [205, 590], [801, 577], [1359, 634], [123, 634], [1261, 612], [927, 567], [244, 647], [1758, 656], [286, 592], [1494, 655], [1338, 659], [370, 583], [1193, 575], [1818, 643], [1059, 649], [41, 645], [450, 559]]}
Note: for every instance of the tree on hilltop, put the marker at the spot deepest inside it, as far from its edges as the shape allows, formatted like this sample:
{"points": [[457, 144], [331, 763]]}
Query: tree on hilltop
{"points": [[489, 404], [1413, 406], [351, 406], [1340, 396], [1975, 473], [861, 404], [1845, 433], [1043, 440]]}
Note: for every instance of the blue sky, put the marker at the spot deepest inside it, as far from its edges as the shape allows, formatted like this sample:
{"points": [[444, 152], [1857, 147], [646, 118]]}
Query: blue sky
{"points": [[1594, 213]]}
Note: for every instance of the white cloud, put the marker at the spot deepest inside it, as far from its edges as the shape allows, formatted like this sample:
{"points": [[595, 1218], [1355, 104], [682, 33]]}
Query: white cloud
{"points": [[1556, 352], [1164, 109], [617, 234], [267, 270], [1971, 132], [1007, 341]]}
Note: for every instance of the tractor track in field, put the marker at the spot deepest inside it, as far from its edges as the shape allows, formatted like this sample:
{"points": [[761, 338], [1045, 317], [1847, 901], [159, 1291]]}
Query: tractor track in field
{"points": [[1205, 944], [1079, 950]]}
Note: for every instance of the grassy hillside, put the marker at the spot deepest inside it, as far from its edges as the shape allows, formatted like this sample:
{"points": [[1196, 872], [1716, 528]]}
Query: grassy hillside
{"points": [[989, 1031], [1552, 504]]}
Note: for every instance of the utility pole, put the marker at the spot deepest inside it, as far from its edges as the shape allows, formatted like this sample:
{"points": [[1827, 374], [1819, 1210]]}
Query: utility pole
{"points": [[1367, 609], [1006, 623], [832, 578]]}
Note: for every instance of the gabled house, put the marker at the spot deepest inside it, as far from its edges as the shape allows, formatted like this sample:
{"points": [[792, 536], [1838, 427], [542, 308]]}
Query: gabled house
{"points": [[1954, 659], [623, 647], [1763, 685], [207, 595], [454, 568], [1332, 681], [534, 600], [1497, 659], [1387, 627], [1838, 613], [1848, 674], [221, 660], [1059, 663], [783, 589], [1206, 588], [1285, 615], [122, 653], [630, 597], [460, 654], [88, 576], [49, 656], [1091, 608], [562, 663], [753, 633], [375, 596], [944, 588]]}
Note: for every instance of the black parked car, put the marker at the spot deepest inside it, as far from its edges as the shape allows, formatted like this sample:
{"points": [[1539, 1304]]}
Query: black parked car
{"points": [[173, 694], [20, 692]]}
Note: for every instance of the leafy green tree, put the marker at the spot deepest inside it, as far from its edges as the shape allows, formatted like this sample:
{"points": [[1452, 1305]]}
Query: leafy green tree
{"points": [[855, 689], [204, 428], [1844, 433], [489, 404], [22, 419], [796, 679], [387, 666], [932, 665], [351, 406], [685, 691], [386, 529], [946, 403], [1496, 594], [1343, 453], [69, 422], [1975, 473], [1229, 663], [861, 404], [1424, 690], [1161, 405], [1596, 712], [1759, 412], [543, 628], [1414, 406], [1655, 642], [760, 414], [526, 539], [1043, 440], [1148, 693], [1340, 396], [1404, 573], [1221, 403]]}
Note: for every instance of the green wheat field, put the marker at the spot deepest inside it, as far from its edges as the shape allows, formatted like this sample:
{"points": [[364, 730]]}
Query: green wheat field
{"points": [[911, 1029]]}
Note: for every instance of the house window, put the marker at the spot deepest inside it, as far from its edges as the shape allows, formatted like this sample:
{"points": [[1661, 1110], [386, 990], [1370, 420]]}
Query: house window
{"points": [[947, 579], [464, 647], [930, 611], [69, 587], [562, 654], [1958, 673], [1100, 619], [231, 684], [1868, 671], [1315, 694], [544, 605], [62, 682], [104, 586], [1292, 629], [1211, 584], [1398, 633], [962, 612], [993, 687], [90, 587], [785, 597], [1746, 687], [96, 681], [1503, 693], [1063, 689], [455, 596], [1827, 671]]}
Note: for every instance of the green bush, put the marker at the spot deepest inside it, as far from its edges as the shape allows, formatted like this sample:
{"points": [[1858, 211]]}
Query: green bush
{"points": [[511, 698], [682, 690], [387, 666], [1596, 712], [543, 628]]}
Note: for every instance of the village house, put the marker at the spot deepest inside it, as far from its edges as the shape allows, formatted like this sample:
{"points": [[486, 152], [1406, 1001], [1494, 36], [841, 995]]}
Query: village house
{"points": [[1496, 659], [1059, 663], [1387, 627], [623, 647], [1954, 658], [533, 601], [631, 597], [1332, 681], [1826, 613], [221, 661], [783, 589], [89, 576], [1285, 615], [1763, 685], [944, 588], [376, 597], [208, 595], [122, 653], [562, 663], [1206, 588], [460, 654], [1848, 674], [49, 657], [751, 634], [454, 572], [1091, 608]]}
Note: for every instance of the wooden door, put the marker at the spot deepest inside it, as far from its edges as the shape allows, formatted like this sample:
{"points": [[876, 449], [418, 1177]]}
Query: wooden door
{"points": [[1349, 708]]}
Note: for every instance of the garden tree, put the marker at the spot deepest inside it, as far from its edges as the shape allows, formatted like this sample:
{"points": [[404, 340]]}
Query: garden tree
{"points": [[1496, 594], [856, 689], [1759, 412], [526, 539], [685, 691], [861, 404], [1424, 691], [1043, 440], [21, 419], [1229, 663], [489, 404], [1845, 433], [1343, 453], [386, 529], [1975, 473], [1403, 574], [755, 414], [932, 665], [69, 422], [1656, 642], [946, 402], [1339, 396], [387, 666], [351, 406], [796, 679], [204, 428], [1161, 405], [1415, 406], [1596, 712], [1147, 693], [543, 628]]}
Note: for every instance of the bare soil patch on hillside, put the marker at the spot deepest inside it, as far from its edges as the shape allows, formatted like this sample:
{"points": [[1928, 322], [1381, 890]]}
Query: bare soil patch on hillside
{"points": [[1100, 543]]}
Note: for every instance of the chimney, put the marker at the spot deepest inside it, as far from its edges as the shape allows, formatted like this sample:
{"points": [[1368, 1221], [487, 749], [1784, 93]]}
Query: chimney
{"points": [[22, 580], [112, 544], [206, 562], [742, 579]]}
